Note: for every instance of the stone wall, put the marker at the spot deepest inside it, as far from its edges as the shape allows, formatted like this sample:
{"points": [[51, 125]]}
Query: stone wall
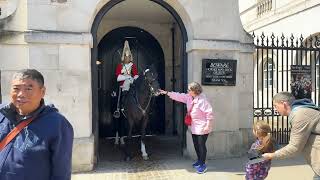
{"points": [[56, 39], [282, 18]]}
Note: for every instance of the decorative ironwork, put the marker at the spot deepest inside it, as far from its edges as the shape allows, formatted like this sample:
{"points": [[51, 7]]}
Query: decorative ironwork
{"points": [[261, 112], [317, 42], [274, 77]]}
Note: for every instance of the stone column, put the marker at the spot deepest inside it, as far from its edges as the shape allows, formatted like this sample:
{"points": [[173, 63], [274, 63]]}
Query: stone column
{"points": [[218, 34], [65, 61], [232, 105]]}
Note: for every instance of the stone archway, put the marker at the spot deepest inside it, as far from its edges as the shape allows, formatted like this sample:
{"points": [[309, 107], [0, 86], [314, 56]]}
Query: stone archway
{"points": [[94, 57]]}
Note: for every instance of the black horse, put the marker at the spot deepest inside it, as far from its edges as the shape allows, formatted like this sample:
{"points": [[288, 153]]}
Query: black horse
{"points": [[137, 106]]}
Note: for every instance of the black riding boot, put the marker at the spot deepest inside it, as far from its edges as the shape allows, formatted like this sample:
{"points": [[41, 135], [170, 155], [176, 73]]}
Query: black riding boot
{"points": [[123, 98]]}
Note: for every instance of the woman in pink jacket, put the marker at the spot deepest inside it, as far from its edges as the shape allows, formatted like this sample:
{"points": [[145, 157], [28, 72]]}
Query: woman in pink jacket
{"points": [[202, 119]]}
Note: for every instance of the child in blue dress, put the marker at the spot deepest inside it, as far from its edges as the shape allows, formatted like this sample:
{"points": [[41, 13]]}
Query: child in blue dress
{"points": [[257, 168]]}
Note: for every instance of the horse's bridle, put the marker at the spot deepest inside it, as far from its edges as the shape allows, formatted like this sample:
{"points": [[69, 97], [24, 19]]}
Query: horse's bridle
{"points": [[151, 88], [149, 82]]}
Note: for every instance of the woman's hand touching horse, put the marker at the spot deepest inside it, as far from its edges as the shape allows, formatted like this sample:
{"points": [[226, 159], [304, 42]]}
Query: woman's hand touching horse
{"points": [[163, 91]]}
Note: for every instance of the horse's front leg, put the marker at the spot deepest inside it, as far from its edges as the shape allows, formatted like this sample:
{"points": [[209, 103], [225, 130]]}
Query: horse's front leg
{"points": [[120, 127], [143, 138], [116, 141], [117, 138], [128, 144]]}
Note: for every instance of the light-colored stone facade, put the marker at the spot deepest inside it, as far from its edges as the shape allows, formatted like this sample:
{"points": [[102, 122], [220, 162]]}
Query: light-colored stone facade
{"points": [[286, 16], [56, 39], [290, 18]]}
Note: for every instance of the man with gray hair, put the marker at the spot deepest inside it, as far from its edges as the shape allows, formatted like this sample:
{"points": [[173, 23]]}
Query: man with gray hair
{"points": [[304, 118], [35, 139]]}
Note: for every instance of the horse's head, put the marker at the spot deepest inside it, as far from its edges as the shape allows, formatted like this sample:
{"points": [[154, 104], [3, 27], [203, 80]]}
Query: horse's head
{"points": [[151, 77]]}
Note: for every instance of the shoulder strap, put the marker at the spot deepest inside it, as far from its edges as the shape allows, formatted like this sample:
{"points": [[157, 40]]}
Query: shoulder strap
{"points": [[191, 107], [13, 133], [124, 66]]}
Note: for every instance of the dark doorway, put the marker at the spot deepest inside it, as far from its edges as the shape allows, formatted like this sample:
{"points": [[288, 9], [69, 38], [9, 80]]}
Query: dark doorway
{"points": [[146, 51], [96, 72]]}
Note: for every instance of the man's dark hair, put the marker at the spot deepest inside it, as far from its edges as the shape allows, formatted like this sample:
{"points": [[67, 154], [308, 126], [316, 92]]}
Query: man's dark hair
{"points": [[29, 74]]}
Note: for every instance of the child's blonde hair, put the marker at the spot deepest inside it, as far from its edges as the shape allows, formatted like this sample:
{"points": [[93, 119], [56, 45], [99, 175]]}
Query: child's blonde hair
{"points": [[263, 130]]}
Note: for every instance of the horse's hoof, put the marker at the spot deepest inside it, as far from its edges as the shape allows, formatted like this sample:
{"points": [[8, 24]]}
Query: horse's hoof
{"points": [[122, 145], [127, 158], [145, 158]]}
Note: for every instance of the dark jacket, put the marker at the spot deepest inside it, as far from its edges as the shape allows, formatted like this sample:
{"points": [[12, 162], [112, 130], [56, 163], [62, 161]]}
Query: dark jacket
{"points": [[42, 150]]}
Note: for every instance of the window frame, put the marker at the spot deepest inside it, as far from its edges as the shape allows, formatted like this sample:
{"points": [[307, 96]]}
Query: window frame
{"points": [[268, 67]]}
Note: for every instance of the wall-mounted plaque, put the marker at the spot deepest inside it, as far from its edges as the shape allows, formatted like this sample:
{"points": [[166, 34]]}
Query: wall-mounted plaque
{"points": [[220, 72], [301, 82]]}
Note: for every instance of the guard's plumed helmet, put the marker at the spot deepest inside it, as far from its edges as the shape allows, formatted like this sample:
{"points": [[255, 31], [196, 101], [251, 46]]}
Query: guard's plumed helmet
{"points": [[126, 51]]}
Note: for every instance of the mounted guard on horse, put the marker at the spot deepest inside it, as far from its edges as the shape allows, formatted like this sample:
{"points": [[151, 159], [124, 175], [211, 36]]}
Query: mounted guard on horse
{"points": [[126, 73], [135, 101]]}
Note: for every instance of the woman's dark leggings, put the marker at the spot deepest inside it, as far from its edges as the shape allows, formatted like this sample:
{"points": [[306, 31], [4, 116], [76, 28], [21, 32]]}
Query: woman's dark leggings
{"points": [[199, 142]]}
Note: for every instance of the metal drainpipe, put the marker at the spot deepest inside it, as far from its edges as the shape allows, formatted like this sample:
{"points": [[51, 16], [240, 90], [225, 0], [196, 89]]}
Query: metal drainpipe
{"points": [[173, 80]]}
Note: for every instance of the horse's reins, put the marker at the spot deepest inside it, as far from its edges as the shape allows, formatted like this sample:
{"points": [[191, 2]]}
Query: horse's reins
{"points": [[150, 97], [139, 106], [116, 114]]}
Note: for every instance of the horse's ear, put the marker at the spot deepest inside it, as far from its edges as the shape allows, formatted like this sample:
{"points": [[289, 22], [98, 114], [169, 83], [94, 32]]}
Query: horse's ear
{"points": [[153, 67], [147, 66]]}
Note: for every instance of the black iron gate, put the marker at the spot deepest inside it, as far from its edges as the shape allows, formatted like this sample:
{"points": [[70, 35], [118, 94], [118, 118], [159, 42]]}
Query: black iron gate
{"points": [[274, 58]]}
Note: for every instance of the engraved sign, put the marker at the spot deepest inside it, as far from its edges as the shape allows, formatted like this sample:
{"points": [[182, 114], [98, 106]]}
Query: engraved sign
{"points": [[221, 72]]}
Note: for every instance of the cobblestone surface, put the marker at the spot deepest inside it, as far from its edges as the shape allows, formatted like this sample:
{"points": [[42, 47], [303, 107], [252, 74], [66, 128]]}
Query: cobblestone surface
{"points": [[180, 169], [166, 163]]}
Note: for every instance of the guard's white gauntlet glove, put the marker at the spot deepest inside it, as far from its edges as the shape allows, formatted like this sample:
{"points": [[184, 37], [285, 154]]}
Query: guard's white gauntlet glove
{"points": [[121, 77]]}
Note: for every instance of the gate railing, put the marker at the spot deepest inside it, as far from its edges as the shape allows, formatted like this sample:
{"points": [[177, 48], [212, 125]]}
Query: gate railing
{"points": [[272, 74]]}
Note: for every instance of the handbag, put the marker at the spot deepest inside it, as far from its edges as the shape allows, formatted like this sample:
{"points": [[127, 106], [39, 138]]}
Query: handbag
{"points": [[13, 133], [187, 118]]}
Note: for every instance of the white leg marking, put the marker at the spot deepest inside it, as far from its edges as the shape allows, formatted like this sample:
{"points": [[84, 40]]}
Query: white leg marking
{"points": [[116, 142], [143, 151], [122, 140]]}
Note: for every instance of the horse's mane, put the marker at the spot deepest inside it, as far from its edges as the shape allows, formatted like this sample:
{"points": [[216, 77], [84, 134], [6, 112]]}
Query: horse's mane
{"points": [[136, 84], [139, 84]]}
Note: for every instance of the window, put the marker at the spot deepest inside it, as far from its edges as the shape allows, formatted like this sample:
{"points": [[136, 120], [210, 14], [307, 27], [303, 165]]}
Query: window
{"points": [[263, 6], [59, 1], [268, 72]]}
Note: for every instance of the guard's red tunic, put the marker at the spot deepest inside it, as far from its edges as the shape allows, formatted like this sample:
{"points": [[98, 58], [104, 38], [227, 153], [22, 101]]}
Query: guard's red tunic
{"points": [[134, 71]]}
